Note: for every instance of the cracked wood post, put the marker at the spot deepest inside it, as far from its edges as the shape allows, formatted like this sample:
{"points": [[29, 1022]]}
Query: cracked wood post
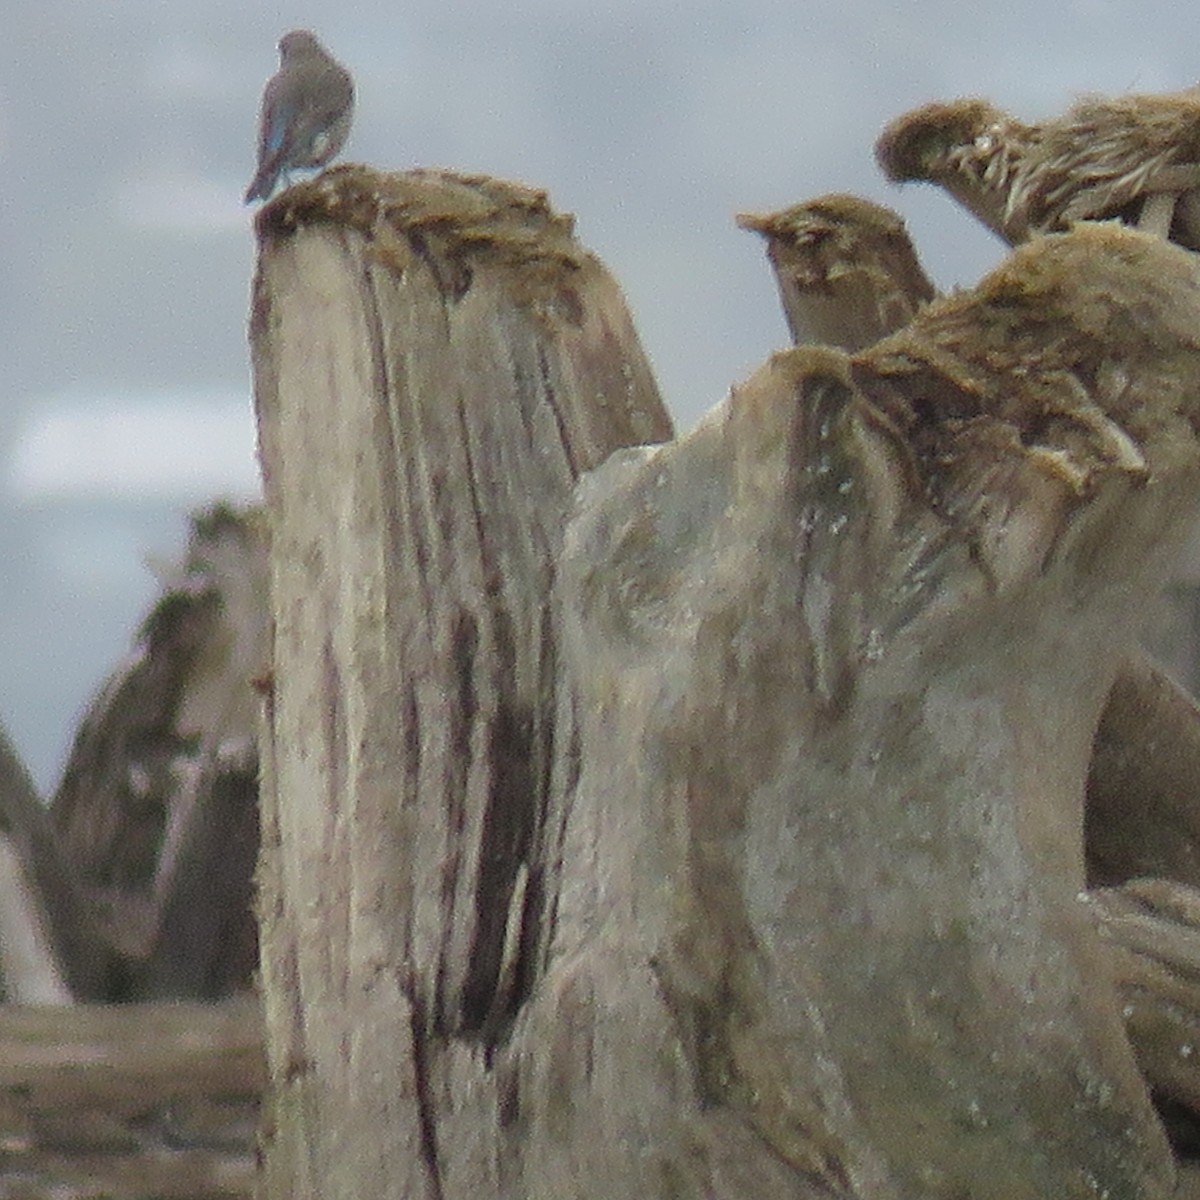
{"points": [[437, 359], [842, 652], [849, 275]]}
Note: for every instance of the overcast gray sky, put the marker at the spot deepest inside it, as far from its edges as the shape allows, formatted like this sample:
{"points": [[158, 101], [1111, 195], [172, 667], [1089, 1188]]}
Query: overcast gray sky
{"points": [[126, 140]]}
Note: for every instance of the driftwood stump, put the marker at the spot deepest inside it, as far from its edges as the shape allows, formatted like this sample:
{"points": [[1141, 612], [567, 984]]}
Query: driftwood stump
{"points": [[862, 730], [848, 275], [437, 360], [730, 842]]}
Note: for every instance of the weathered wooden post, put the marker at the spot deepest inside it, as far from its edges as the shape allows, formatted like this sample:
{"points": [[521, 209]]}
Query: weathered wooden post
{"points": [[437, 361]]}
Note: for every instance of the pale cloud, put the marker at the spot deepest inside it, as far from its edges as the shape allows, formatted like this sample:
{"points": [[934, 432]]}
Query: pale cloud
{"points": [[180, 69], [177, 200], [186, 448]]}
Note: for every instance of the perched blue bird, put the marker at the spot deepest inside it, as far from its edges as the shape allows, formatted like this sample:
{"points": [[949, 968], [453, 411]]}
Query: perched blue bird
{"points": [[307, 106]]}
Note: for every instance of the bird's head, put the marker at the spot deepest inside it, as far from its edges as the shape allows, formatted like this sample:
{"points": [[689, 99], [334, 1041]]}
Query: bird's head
{"points": [[298, 42]]}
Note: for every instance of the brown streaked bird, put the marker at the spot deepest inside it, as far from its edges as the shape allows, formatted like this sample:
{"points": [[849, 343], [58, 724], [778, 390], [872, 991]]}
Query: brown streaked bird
{"points": [[846, 269]]}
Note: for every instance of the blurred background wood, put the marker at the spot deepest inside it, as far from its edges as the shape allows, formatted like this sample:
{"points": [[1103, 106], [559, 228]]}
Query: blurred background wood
{"points": [[46, 937], [138, 881], [156, 816]]}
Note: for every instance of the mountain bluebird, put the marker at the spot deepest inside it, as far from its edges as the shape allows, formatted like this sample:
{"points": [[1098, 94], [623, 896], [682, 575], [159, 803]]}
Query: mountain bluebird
{"points": [[306, 110]]}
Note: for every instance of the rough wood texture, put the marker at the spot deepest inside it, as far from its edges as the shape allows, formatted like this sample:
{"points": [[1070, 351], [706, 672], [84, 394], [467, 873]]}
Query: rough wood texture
{"points": [[760, 874], [1151, 930], [437, 359], [848, 275], [847, 271], [130, 1102], [156, 815], [846, 711], [1131, 157]]}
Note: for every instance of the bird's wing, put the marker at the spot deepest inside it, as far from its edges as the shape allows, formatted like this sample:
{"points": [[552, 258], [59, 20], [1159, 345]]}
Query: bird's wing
{"points": [[329, 93], [281, 104]]}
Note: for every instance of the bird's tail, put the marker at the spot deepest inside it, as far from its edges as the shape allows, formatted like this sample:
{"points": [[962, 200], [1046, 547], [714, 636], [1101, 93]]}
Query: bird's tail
{"points": [[262, 185]]}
